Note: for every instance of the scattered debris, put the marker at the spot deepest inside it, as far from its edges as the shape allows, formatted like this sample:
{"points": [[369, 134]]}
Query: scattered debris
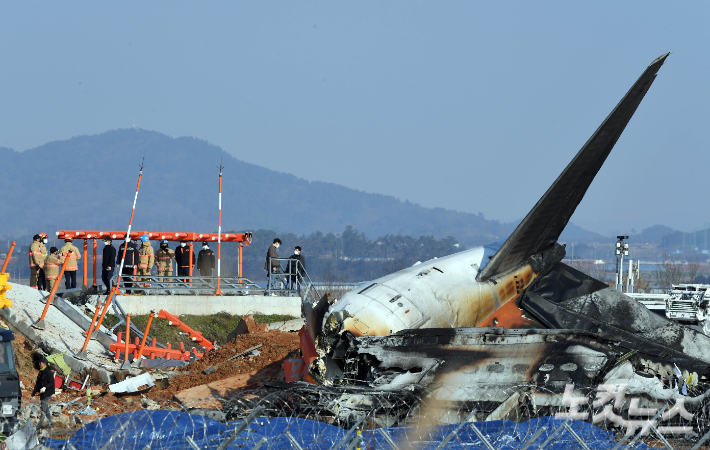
{"points": [[139, 384]]}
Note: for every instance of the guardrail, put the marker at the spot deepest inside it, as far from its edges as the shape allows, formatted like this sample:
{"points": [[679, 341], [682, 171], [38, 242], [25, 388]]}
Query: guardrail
{"points": [[187, 285]]}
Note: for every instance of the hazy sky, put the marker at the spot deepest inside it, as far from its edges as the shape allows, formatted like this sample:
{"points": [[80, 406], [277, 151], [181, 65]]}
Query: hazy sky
{"points": [[472, 106]]}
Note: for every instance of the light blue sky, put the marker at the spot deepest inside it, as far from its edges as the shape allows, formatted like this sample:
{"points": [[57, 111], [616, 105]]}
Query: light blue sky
{"points": [[472, 106]]}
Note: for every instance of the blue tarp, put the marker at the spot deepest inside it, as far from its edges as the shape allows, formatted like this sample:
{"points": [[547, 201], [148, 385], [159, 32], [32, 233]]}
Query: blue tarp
{"points": [[169, 429]]}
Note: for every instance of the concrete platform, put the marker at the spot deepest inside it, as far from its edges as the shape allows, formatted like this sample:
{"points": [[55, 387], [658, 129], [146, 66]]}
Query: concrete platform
{"points": [[208, 304]]}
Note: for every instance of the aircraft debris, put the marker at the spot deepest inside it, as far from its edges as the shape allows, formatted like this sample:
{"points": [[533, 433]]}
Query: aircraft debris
{"points": [[556, 327]]}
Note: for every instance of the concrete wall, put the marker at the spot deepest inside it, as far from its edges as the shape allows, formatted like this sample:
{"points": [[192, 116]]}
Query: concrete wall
{"points": [[209, 304]]}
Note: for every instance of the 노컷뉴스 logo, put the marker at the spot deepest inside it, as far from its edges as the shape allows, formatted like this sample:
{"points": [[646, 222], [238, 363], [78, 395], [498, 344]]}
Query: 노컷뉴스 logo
{"points": [[608, 392]]}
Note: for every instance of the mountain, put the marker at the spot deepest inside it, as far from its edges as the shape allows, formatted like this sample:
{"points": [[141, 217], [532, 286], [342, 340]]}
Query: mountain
{"points": [[653, 235], [88, 182]]}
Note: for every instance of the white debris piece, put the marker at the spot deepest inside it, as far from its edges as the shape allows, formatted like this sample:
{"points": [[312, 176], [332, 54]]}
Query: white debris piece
{"points": [[135, 384]]}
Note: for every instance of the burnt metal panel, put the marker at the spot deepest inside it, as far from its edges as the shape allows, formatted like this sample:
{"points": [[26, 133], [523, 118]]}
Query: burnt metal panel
{"points": [[544, 223], [490, 360], [567, 298]]}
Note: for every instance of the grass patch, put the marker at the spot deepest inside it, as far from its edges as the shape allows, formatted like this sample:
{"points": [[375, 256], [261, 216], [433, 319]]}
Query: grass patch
{"points": [[268, 318], [215, 327]]}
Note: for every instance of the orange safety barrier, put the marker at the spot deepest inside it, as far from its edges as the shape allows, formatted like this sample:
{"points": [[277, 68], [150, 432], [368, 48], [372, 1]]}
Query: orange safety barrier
{"points": [[138, 349], [157, 236], [243, 239], [195, 336], [7, 258], [152, 351]]}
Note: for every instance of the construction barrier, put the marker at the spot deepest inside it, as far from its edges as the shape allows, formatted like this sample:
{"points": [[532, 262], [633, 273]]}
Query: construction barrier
{"points": [[138, 348], [151, 351]]}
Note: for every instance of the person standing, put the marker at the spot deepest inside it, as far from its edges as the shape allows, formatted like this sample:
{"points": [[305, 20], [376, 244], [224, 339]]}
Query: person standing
{"points": [[164, 260], [45, 388], [272, 265], [296, 269], [36, 259], [205, 260], [108, 263], [72, 265], [146, 255], [182, 258], [41, 281], [130, 263], [52, 266]]}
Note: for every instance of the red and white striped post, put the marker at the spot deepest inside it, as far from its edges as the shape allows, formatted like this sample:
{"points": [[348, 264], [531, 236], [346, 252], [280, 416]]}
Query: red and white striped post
{"points": [[114, 290], [219, 232]]}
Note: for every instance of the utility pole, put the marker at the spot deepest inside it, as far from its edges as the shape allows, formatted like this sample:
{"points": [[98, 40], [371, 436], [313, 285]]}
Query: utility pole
{"points": [[622, 249]]}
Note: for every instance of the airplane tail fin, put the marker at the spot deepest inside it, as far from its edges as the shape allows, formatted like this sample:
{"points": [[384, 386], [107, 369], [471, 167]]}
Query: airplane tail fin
{"points": [[543, 225]]}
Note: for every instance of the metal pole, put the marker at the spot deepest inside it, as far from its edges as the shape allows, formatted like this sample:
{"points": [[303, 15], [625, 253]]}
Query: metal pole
{"points": [[219, 231], [244, 423], [125, 247], [145, 334], [388, 438], [620, 285], [94, 263], [126, 364], [293, 440], [82, 354], [189, 262], [450, 436], [630, 278], [86, 249], [12, 247], [240, 259]]}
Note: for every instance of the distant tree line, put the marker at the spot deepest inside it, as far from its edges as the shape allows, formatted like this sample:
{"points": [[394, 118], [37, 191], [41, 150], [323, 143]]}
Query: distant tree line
{"points": [[348, 256]]}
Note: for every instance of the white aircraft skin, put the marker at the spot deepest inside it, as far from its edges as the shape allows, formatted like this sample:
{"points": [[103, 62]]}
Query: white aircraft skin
{"points": [[446, 292], [439, 293]]}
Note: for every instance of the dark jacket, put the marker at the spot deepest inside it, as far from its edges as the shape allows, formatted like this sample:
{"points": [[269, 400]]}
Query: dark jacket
{"points": [[205, 260], [182, 256], [45, 378], [272, 253], [301, 265], [109, 260], [132, 258]]}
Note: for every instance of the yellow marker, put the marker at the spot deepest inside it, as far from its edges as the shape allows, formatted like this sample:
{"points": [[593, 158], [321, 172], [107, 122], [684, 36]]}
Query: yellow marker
{"points": [[4, 287]]}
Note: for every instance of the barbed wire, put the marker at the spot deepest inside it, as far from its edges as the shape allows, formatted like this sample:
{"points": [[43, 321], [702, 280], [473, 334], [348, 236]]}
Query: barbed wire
{"points": [[305, 416]]}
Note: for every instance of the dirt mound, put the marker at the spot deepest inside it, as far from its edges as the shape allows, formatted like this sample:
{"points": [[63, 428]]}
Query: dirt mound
{"points": [[266, 366]]}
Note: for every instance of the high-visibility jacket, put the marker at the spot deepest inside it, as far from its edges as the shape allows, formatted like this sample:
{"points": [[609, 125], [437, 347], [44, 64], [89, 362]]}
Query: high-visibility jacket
{"points": [[38, 253], [164, 257], [146, 256], [72, 265], [52, 265]]}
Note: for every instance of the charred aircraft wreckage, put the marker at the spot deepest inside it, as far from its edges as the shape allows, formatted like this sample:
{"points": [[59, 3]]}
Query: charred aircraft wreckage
{"points": [[506, 327]]}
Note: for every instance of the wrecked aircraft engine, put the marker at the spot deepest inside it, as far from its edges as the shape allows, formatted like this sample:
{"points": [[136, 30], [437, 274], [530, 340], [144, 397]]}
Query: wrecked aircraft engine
{"points": [[542, 326]]}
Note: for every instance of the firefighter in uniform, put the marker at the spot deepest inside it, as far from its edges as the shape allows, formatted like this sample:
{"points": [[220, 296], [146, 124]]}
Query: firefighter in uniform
{"points": [[182, 258], [38, 253], [41, 282], [146, 256], [72, 265], [52, 266], [37, 256], [164, 260]]}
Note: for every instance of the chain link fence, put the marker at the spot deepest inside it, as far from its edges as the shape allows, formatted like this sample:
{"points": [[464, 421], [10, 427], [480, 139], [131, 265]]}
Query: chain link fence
{"points": [[303, 416]]}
